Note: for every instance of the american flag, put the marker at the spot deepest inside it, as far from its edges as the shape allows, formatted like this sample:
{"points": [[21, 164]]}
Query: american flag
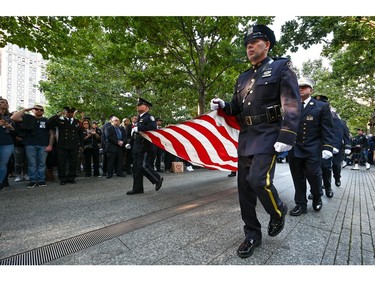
{"points": [[209, 140]]}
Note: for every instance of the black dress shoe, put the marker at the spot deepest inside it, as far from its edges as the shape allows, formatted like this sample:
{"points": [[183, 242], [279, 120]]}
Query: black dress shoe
{"points": [[329, 192], [317, 204], [62, 182], [338, 183], [132, 192], [275, 226], [158, 184], [232, 174], [298, 210], [310, 197], [246, 249]]}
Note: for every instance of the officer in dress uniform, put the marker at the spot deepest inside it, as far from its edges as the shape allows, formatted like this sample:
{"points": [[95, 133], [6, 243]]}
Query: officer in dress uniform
{"points": [[314, 141], [70, 140], [341, 145], [267, 103], [143, 150]]}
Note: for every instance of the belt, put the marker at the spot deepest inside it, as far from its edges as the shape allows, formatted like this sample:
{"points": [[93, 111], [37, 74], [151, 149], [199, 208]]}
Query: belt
{"points": [[257, 119]]}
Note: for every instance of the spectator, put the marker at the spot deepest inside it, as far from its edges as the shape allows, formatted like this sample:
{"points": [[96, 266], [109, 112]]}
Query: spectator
{"points": [[91, 140], [115, 135], [38, 140], [7, 134]]}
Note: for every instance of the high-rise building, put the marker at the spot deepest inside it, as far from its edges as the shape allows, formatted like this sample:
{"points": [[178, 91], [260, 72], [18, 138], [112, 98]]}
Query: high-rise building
{"points": [[20, 73]]}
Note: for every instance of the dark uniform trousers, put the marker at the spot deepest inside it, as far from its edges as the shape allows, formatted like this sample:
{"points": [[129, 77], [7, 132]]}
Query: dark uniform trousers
{"points": [[326, 166], [67, 163], [336, 164], [255, 181], [306, 168], [143, 165]]}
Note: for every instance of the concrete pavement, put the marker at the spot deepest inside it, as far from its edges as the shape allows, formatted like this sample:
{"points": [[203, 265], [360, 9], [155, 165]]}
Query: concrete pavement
{"points": [[194, 219]]}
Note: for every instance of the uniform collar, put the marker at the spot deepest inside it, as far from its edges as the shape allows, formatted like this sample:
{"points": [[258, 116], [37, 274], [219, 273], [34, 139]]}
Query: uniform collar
{"points": [[306, 101], [259, 64]]}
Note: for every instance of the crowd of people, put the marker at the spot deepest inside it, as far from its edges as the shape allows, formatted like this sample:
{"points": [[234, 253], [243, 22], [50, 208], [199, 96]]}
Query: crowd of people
{"points": [[32, 146]]}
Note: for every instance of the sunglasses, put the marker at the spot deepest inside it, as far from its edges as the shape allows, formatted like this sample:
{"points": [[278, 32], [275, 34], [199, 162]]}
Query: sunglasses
{"points": [[38, 109]]}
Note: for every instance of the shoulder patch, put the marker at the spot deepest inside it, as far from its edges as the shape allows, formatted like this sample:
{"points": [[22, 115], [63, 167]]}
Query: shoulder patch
{"points": [[290, 66], [152, 118]]}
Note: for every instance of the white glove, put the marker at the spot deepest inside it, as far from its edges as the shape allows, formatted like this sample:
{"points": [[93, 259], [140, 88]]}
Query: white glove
{"points": [[134, 130], [335, 150], [216, 102], [326, 154], [281, 147], [348, 151], [128, 146]]}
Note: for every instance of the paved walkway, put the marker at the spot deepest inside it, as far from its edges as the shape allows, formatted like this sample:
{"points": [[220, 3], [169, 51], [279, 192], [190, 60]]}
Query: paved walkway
{"points": [[194, 219]]}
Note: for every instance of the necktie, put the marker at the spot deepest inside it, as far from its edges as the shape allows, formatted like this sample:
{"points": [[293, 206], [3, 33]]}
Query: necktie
{"points": [[118, 133], [303, 105]]}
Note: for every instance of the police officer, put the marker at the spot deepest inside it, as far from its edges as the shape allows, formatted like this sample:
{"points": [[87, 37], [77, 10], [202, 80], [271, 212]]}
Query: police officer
{"points": [[314, 141], [69, 141], [268, 88], [143, 150], [342, 143]]}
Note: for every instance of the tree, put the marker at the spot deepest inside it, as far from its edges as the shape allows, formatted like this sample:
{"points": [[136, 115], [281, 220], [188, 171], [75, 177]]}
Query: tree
{"points": [[348, 43]]}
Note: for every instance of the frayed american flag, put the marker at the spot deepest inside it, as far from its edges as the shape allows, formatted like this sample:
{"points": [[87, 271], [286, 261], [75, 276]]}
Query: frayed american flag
{"points": [[209, 140]]}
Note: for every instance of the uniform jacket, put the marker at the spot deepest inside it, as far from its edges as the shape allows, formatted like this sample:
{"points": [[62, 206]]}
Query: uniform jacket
{"points": [[111, 144], [341, 133], [145, 123], [69, 135], [315, 131], [277, 85]]}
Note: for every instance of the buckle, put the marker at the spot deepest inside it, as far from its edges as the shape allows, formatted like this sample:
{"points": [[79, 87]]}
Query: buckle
{"points": [[248, 120]]}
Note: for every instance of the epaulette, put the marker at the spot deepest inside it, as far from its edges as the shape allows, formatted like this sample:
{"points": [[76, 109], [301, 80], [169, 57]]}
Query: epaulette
{"points": [[281, 58]]}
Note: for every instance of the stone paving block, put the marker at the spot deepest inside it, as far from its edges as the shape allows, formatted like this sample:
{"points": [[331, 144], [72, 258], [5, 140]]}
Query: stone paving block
{"points": [[329, 257], [333, 241], [367, 242], [342, 254], [368, 257]]}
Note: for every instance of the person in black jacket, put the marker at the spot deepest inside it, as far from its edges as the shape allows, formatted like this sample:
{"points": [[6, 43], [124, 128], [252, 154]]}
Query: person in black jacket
{"points": [[267, 103], [113, 149], [314, 141], [69, 141], [143, 150]]}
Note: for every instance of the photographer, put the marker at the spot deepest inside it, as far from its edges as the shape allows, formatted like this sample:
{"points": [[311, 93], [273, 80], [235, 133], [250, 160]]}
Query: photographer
{"points": [[91, 140]]}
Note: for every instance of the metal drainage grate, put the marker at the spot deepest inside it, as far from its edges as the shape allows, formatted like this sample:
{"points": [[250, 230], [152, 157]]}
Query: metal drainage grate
{"points": [[77, 243]]}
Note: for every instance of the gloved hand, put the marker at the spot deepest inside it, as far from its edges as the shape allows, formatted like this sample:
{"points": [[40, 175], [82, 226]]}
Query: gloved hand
{"points": [[134, 130], [348, 151], [281, 147], [216, 103], [335, 150], [326, 154], [128, 146]]}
